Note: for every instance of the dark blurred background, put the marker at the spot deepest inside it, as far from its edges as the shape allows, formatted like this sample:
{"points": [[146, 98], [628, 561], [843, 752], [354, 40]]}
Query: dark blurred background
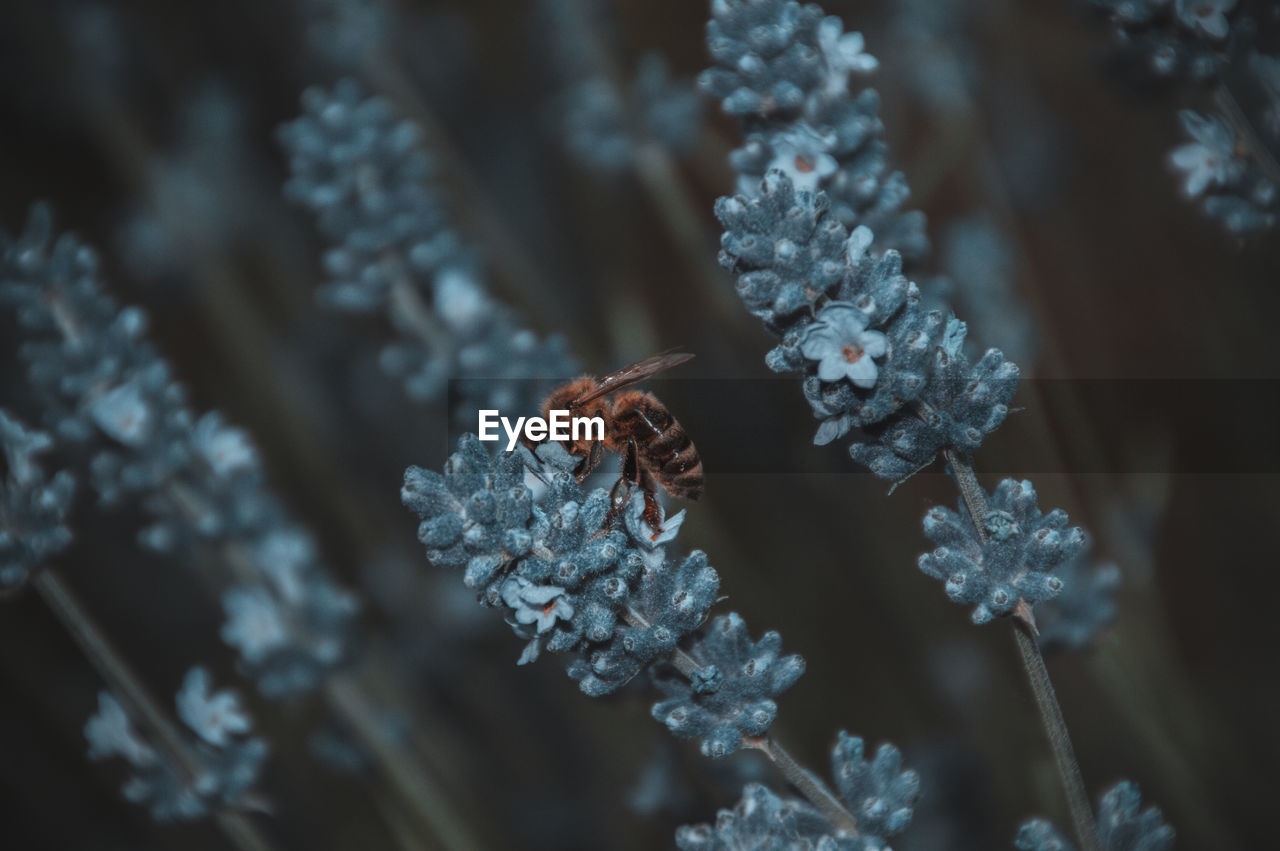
{"points": [[1149, 416]]}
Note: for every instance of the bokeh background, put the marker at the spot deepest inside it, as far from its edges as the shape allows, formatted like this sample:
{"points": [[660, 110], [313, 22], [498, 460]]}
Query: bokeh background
{"points": [[1147, 334]]}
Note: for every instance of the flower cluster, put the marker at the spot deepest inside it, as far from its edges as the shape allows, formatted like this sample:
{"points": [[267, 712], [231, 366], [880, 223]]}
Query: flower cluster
{"points": [[1122, 826], [569, 578], [961, 404], [1223, 177], [361, 169], [33, 507], [879, 794], [604, 126], [873, 358], [103, 386], [1174, 39], [851, 322], [817, 242], [1228, 167], [1084, 607], [725, 701], [1011, 559], [760, 820], [227, 763], [784, 69]]}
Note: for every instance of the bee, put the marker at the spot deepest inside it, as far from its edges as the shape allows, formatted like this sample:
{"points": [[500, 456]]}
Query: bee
{"points": [[655, 449]]}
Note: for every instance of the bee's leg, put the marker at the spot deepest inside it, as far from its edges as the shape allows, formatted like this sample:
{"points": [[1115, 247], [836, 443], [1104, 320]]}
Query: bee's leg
{"points": [[621, 493], [589, 463], [652, 511]]}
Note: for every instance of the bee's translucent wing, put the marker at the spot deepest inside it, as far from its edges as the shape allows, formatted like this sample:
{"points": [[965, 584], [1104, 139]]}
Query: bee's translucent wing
{"points": [[633, 374]]}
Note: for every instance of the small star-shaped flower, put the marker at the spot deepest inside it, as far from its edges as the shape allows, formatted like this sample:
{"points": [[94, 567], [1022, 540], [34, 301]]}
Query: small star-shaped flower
{"points": [[536, 604], [844, 54], [1210, 159], [843, 346], [640, 530], [215, 716], [803, 154], [224, 448]]}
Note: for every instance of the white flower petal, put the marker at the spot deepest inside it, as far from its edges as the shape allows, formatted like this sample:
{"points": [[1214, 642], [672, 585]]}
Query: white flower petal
{"points": [[859, 241], [818, 339], [863, 372], [832, 368], [874, 343]]}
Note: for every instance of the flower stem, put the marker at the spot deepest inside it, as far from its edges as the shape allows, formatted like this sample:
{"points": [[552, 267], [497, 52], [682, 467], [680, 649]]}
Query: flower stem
{"points": [[126, 685], [407, 777], [1059, 740], [1055, 726], [808, 784]]}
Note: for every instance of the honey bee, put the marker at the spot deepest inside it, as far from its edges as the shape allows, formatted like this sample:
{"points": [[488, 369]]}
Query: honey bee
{"points": [[655, 449]]}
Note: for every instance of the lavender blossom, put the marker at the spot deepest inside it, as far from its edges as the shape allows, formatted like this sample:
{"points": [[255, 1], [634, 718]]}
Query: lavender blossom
{"points": [[1084, 607], [1011, 561], [1210, 159], [1229, 184], [879, 794], [731, 697], [1122, 826], [33, 507], [605, 126], [784, 69], [362, 171], [568, 580], [228, 763], [843, 347], [105, 388]]}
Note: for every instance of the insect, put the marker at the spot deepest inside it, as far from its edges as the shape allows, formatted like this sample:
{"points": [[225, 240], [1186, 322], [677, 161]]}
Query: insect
{"points": [[656, 451]]}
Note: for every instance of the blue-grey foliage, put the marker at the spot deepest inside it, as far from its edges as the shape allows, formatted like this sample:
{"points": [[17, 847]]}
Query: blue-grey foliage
{"points": [[1015, 557], [568, 578], [33, 506], [104, 388], [731, 695], [880, 795], [228, 759], [1122, 826]]}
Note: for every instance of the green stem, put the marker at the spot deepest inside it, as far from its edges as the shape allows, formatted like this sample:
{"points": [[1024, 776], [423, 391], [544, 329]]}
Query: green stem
{"points": [[1055, 726]]}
